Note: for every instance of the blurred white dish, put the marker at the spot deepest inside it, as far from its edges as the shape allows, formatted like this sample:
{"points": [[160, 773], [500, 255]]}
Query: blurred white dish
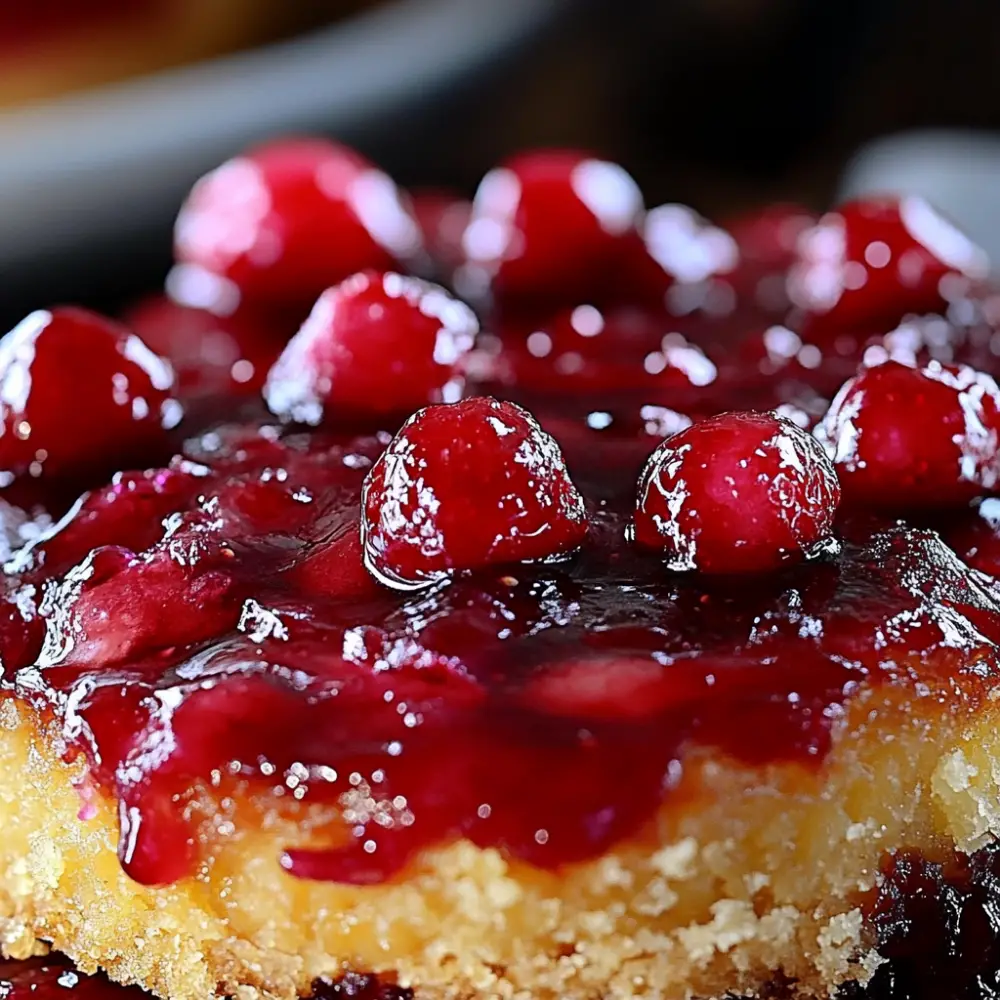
{"points": [[958, 171], [115, 162]]}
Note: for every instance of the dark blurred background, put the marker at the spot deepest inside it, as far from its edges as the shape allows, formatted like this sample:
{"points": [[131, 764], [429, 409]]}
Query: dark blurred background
{"points": [[723, 104]]}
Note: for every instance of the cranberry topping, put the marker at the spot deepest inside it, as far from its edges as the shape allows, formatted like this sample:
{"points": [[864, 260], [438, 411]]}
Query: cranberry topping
{"points": [[466, 486], [213, 356], [535, 705], [78, 392], [903, 436], [738, 493], [552, 225], [288, 219], [872, 261], [373, 346]]}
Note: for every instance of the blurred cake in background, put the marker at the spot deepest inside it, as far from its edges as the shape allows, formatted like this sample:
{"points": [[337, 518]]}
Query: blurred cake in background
{"points": [[52, 47]]}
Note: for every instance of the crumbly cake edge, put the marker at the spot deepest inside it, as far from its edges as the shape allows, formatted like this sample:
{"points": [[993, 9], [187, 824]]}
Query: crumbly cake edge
{"points": [[185, 951]]}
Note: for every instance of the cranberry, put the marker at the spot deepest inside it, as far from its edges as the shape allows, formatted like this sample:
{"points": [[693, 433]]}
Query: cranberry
{"points": [[905, 436], [375, 345], [213, 356], [78, 391], [552, 224], [737, 493], [871, 262], [466, 486], [287, 219]]}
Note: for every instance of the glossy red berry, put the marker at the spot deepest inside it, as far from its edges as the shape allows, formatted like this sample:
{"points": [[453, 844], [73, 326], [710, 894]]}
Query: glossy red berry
{"points": [[78, 391], [738, 493], [375, 345], [904, 436], [552, 224], [212, 356], [873, 261], [465, 486], [287, 219]]}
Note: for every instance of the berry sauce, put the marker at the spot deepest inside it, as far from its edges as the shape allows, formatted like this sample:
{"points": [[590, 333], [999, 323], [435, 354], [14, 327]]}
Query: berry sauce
{"points": [[498, 660]]}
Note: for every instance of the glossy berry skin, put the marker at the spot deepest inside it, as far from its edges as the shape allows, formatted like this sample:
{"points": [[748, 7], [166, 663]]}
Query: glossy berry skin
{"points": [[375, 345], [79, 392], [738, 493], [466, 486], [552, 225], [873, 261], [288, 219], [903, 436]]}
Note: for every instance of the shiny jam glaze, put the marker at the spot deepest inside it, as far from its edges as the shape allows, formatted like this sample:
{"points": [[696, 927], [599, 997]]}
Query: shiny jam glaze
{"points": [[207, 631]]}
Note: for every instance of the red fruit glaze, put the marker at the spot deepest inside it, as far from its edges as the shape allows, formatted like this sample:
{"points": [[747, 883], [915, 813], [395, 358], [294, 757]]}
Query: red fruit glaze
{"points": [[78, 392], [738, 493], [208, 631], [373, 346], [903, 436], [212, 356], [467, 486], [552, 225], [287, 219], [871, 262]]}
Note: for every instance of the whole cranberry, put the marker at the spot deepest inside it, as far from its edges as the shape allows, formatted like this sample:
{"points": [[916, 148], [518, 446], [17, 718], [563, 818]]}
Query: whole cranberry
{"points": [[212, 356], [871, 262], [907, 436], [77, 390], [376, 344], [465, 486], [552, 224], [737, 493], [287, 219]]}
